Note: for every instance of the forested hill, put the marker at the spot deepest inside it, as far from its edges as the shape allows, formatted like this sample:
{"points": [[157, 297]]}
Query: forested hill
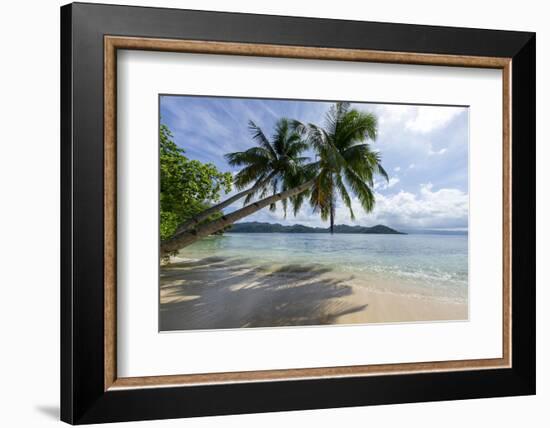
{"points": [[256, 227]]}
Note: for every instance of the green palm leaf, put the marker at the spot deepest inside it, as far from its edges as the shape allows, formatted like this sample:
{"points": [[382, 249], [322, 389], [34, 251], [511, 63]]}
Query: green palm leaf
{"points": [[279, 160], [346, 163]]}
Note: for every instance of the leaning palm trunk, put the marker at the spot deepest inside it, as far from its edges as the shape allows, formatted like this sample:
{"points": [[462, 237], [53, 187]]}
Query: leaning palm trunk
{"points": [[186, 238], [332, 218], [203, 215]]}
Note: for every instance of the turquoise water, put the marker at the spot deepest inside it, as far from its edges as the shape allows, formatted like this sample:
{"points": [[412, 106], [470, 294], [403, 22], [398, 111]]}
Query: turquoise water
{"points": [[435, 265]]}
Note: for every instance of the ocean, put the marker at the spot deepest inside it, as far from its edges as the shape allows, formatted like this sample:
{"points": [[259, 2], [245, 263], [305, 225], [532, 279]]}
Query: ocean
{"points": [[423, 265]]}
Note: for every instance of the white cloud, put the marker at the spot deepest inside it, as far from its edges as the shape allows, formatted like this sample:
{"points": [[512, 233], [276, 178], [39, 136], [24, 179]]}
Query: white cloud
{"points": [[428, 118], [420, 119], [392, 113], [428, 208], [393, 181], [407, 144], [432, 152], [443, 208], [383, 184]]}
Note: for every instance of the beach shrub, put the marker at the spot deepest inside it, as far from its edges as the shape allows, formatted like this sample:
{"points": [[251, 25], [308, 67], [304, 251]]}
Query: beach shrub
{"points": [[187, 186]]}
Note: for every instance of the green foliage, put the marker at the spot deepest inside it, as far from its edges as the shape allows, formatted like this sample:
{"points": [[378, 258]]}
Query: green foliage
{"points": [[187, 187], [274, 165], [344, 166], [345, 160], [168, 223], [345, 163]]}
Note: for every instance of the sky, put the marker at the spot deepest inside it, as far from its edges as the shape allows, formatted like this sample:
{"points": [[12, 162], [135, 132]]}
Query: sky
{"points": [[424, 149]]}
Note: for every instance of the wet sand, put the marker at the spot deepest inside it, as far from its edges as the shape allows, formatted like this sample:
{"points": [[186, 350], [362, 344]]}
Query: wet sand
{"points": [[217, 293]]}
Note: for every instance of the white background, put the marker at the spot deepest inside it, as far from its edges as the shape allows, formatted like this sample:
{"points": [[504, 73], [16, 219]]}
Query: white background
{"points": [[29, 226], [143, 352]]}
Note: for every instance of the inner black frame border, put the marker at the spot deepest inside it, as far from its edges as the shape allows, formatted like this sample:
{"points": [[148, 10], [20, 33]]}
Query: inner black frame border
{"points": [[83, 399]]}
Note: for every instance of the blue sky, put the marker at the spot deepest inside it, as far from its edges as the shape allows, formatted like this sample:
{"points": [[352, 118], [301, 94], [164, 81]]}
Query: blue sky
{"points": [[424, 149]]}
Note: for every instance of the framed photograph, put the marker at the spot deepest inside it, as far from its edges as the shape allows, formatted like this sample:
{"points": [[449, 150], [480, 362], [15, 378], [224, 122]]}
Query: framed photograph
{"points": [[267, 213]]}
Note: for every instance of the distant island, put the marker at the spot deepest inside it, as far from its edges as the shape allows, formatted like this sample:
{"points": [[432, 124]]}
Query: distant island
{"points": [[257, 227]]}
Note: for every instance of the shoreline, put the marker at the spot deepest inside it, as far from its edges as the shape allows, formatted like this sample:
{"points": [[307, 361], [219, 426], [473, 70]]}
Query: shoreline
{"points": [[221, 293]]}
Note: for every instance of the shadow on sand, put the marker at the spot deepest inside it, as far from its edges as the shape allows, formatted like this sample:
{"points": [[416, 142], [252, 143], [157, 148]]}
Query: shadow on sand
{"points": [[215, 293]]}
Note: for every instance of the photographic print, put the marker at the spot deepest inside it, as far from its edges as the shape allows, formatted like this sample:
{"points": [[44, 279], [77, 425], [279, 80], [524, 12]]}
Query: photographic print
{"points": [[282, 212]]}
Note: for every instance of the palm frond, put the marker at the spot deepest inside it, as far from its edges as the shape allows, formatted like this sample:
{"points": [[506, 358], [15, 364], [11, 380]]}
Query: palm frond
{"points": [[334, 117], [284, 203], [361, 189], [259, 136], [344, 194], [250, 174], [322, 143], [280, 137], [298, 127], [248, 157], [278, 160], [296, 147], [355, 127], [298, 201]]}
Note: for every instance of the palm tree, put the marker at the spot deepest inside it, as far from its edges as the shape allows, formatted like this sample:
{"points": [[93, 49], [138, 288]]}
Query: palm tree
{"points": [[184, 239], [266, 166], [343, 160]]}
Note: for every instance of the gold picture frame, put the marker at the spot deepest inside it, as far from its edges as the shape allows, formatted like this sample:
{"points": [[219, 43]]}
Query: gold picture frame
{"points": [[114, 43]]}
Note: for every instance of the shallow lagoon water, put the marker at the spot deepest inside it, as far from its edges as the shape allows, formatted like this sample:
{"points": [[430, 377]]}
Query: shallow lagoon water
{"points": [[428, 265]]}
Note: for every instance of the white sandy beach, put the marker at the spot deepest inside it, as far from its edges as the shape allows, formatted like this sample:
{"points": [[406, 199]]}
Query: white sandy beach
{"points": [[217, 293]]}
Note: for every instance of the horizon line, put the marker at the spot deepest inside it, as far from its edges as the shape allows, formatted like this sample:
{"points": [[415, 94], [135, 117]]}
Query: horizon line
{"points": [[434, 229]]}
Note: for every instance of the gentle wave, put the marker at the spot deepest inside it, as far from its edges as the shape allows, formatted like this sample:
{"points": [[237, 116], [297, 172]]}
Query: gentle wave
{"points": [[428, 265]]}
